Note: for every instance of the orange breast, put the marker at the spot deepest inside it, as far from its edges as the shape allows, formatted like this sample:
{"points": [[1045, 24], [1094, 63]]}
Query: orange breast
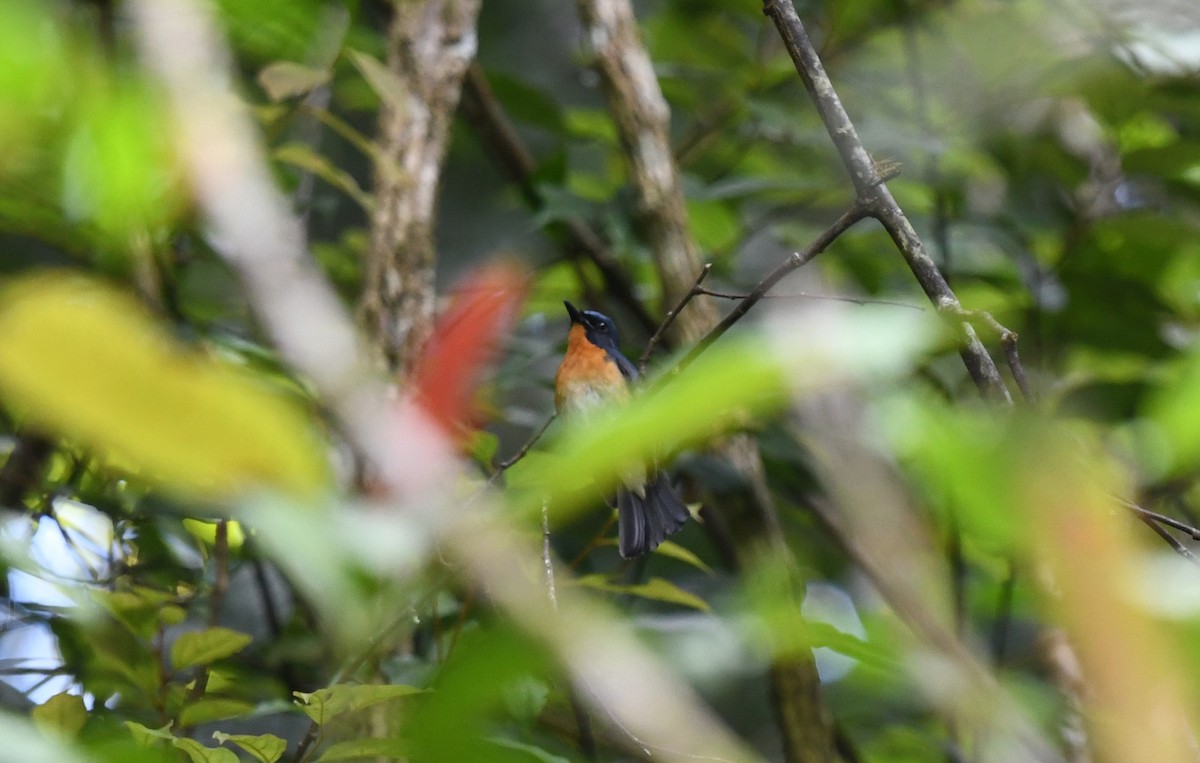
{"points": [[587, 377]]}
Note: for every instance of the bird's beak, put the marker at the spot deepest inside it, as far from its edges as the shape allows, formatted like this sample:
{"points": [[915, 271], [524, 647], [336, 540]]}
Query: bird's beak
{"points": [[576, 316]]}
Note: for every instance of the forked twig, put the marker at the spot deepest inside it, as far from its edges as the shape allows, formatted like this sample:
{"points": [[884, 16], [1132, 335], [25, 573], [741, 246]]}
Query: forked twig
{"points": [[670, 317]]}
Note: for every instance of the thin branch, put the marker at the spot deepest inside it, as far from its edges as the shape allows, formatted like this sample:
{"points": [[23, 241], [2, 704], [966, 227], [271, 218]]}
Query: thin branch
{"points": [[504, 465], [1171, 540], [1193, 532], [796, 260], [1008, 340], [670, 318], [871, 190], [547, 557], [804, 295]]}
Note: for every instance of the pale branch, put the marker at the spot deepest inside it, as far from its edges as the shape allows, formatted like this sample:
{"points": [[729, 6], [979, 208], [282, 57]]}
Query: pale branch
{"points": [[430, 44], [486, 116], [872, 191], [672, 315], [796, 260]]}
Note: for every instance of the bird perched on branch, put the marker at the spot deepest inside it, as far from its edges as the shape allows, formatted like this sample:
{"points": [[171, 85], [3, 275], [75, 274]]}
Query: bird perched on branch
{"points": [[593, 373]]}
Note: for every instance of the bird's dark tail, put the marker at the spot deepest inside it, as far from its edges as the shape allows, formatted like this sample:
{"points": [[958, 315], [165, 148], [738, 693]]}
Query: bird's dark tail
{"points": [[643, 523]]}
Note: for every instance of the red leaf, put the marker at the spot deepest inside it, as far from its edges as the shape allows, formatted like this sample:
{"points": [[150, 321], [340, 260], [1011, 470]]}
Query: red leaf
{"points": [[465, 342]]}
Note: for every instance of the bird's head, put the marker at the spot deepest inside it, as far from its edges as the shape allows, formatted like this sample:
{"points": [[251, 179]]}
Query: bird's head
{"points": [[598, 327]]}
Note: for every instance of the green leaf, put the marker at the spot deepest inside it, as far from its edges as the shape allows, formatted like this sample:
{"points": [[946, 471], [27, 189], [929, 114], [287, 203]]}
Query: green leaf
{"points": [[537, 753], [300, 155], [212, 709], [285, 79], [148, 737], [363, 748], [198, 753], [63, 713], [207, 646], [119, 168], [591, 124], [713, 224], [326, 704], [174, 416], [1175, 409], [658, 589], [390, 88], [264, 748], [675, 551], [826, 635], [482, 446], [25, 743], [526, 697]]}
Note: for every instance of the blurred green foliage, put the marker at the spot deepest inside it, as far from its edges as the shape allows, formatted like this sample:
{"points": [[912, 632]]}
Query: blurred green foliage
{"points": [[1049, 158]]}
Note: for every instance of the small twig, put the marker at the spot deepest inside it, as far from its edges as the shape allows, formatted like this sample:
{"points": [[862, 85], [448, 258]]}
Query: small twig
{"points": [[1171, 540], [855, 213], [805, 295], [504, 465], [1193, 532], [547, 559], [670, 318], [1008, 340], [587, 740]]}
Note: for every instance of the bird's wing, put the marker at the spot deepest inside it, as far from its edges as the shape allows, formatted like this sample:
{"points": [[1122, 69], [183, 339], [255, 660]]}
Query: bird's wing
{"points": [[628, 369]]}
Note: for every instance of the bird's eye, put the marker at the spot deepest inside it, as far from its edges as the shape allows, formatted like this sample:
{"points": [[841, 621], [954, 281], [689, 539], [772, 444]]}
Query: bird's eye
{"points": [[602, 328]]}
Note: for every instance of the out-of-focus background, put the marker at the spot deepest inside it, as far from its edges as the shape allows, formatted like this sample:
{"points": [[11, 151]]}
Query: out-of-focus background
{"points": [[214, 548]]}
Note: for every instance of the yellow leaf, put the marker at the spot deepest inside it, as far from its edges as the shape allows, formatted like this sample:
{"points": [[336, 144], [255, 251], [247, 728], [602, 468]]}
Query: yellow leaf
{"points": [[63, 713], [88, 362]]}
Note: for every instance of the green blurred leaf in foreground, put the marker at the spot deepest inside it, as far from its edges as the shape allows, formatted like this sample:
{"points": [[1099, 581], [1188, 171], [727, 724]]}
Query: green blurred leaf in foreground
{"points": [[88, 362]]}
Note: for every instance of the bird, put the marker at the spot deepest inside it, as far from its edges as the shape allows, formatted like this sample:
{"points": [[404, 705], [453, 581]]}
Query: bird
{"points": [[594, 373]]}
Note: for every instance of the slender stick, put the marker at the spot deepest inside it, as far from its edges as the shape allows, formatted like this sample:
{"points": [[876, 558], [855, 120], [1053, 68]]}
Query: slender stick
{"points": [[667, 321], [1171, 540], [1193, 532], [804, 295], [547, 558], [797, 259], [504, 465]]}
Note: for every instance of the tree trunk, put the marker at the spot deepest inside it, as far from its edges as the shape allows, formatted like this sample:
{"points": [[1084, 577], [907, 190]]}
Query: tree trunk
{"points": [[430, 46]]}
